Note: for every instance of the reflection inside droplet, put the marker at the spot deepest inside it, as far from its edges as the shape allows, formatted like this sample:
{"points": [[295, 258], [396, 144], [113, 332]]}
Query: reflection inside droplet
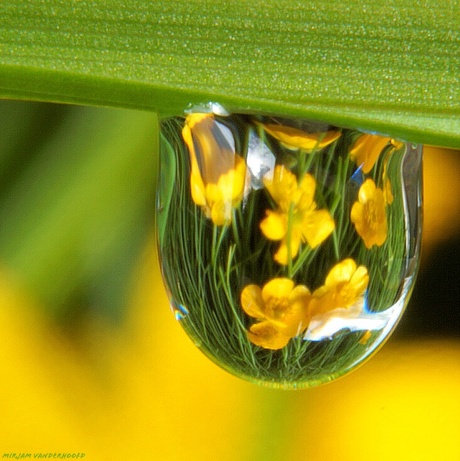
{"points": [[179, 311], [288, 247], [260, 160]]}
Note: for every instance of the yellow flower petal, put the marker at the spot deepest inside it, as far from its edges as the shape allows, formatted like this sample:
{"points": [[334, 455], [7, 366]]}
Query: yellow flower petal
{"points": [[221, 212], [360, 281], [367, 150], [323, 300], [274, 226], [296, 319], [196, 118], [367, 191], [277, 288], [265, 335], [197, 189], [231, 184], [294, 138], [283, 252], [213, 193], [252, 302], [357, 213], [307, 189], [387, 192], [317, 226], [282, 186], [341, 272]]}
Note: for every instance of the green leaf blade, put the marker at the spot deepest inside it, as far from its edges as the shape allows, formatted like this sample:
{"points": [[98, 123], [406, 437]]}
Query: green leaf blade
{"points": [[385, 65]]}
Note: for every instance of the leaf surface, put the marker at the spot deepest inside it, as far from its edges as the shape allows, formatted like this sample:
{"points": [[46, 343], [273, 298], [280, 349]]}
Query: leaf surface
{"points": [[385, 65]]}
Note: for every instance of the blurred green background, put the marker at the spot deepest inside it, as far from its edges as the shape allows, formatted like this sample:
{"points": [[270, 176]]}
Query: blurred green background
{"points": [[92, 360]]}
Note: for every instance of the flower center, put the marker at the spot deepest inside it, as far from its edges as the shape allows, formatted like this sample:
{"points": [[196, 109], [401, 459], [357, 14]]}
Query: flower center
{"points": [[372, 215], [277, 306]]}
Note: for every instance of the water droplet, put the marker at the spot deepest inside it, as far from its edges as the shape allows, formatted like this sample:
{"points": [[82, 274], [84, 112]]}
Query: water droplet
{"points": [[288, 247]]}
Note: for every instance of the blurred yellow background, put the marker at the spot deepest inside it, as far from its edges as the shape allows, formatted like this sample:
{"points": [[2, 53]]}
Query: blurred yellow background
{"points": [[93, 362]]}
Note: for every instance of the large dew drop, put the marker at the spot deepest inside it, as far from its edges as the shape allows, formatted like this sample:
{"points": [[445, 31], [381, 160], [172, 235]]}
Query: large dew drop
{"points": [[288, 247]]}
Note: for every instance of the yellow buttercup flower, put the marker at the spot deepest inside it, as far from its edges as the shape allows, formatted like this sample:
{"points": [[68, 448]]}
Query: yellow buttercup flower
{"points": [[344, 286], [294, 138], [296, 219], [281, 310], [368, 148], [218, 173], [369, 214]]}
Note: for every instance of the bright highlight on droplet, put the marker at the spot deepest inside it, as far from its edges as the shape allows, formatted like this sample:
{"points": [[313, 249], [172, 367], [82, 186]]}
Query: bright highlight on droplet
{"points": [[288, 247]]}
